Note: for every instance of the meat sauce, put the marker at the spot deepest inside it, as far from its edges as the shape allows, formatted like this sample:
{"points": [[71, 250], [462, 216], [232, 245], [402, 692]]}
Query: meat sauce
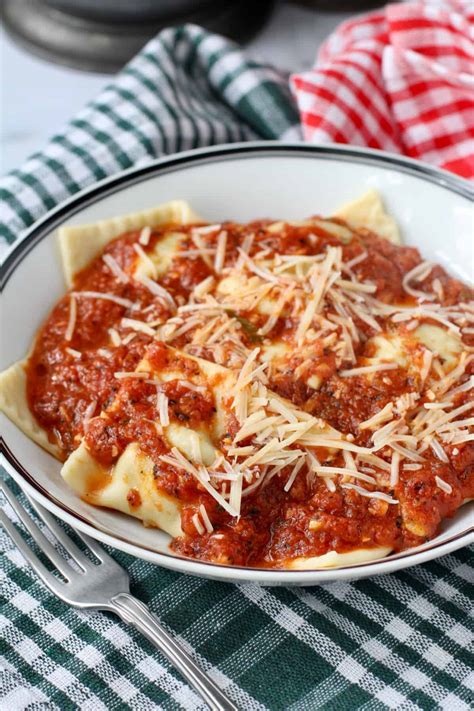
{"points": [[65, 377], [70, 382]]}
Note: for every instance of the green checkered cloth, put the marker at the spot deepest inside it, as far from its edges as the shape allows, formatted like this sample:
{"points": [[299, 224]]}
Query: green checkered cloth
{"points": [[398, 641]]}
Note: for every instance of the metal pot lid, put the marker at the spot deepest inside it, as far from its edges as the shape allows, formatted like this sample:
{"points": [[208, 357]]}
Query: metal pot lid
{"points": [[104, 41]]}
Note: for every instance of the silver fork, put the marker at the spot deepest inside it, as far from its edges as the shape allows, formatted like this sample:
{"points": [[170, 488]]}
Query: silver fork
{"points": [[105, 586]]}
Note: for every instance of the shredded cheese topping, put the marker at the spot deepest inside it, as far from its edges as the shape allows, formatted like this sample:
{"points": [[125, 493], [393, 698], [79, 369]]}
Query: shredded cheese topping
{"points": [[158, 291], [418, 273], [330, 308], [126, 303], [220, 251], [367, 369], [115, 268], [145, 235], [136, 325], [443, 485], [162, 404], [71, 324]]}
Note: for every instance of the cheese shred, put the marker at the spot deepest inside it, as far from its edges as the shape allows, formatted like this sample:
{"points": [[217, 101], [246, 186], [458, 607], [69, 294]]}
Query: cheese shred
{"points": [[71, 324]]}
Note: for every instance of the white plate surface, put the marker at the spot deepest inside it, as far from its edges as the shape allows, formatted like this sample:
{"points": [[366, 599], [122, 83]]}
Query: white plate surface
{"points": [[241, 182]]}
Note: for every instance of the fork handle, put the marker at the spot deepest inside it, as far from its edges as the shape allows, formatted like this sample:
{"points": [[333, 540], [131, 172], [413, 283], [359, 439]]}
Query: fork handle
{"points": [[137, 613]]}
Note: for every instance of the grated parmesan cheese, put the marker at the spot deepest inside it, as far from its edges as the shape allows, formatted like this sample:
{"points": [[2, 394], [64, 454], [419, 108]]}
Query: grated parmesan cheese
{"points": [[126, 303], [394, 469], [426, 365], [370, 494], [219, 259], [438, 450], [346, 471], [205, 518], [115, 337], [88, 413], [159, 291], [71, 324], [294, 473], [441, 484], [145, 235], [121, 375], [367, 369], [357, 260], [201, 247], [115, 268], [382, 416], [136, 325], [162, 405], [418, 273], [197, 524], [206, 229], [203, 287], [128, 338]]}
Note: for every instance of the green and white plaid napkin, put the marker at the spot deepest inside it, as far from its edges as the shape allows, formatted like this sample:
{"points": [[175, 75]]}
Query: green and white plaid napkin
{"points": [[401, 641]]}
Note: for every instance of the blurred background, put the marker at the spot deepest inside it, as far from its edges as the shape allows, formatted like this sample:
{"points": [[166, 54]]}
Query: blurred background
{"points": [[56, 55]]}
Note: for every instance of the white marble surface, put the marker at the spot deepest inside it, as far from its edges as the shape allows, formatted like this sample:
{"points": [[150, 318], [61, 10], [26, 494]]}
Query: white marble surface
{"points": [[38, 97]]}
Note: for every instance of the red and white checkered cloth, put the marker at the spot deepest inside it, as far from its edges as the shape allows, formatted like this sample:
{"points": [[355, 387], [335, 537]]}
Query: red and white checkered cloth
{"points": [[399, 79]]}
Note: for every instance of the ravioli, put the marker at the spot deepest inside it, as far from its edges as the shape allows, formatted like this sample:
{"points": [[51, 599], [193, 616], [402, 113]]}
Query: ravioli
{"points": [[128, 486], [273, 394], [368, 211], [81, 244], [332, 559], [14, 404], [135, 484]]}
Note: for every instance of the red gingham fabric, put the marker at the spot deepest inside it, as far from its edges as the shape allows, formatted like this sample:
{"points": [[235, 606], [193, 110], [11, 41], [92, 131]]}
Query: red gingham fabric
{"points": [[399, 79]]}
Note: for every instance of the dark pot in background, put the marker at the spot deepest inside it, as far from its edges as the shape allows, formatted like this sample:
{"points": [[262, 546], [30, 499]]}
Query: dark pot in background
{"points": [[128, 10], [341, 5], [102, 35]]}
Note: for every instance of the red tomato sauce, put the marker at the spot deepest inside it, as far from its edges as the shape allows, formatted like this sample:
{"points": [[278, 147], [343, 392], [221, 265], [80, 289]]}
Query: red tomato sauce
{"points": [[71, 382]]}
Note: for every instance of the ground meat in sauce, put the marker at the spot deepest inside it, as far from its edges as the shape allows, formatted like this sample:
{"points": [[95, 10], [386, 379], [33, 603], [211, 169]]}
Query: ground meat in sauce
{"points": [[188, 406], [274, 525], [134, 499]]}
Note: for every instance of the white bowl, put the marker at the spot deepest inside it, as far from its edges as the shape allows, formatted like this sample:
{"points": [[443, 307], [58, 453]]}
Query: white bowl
{"points": [[241, 182]]}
